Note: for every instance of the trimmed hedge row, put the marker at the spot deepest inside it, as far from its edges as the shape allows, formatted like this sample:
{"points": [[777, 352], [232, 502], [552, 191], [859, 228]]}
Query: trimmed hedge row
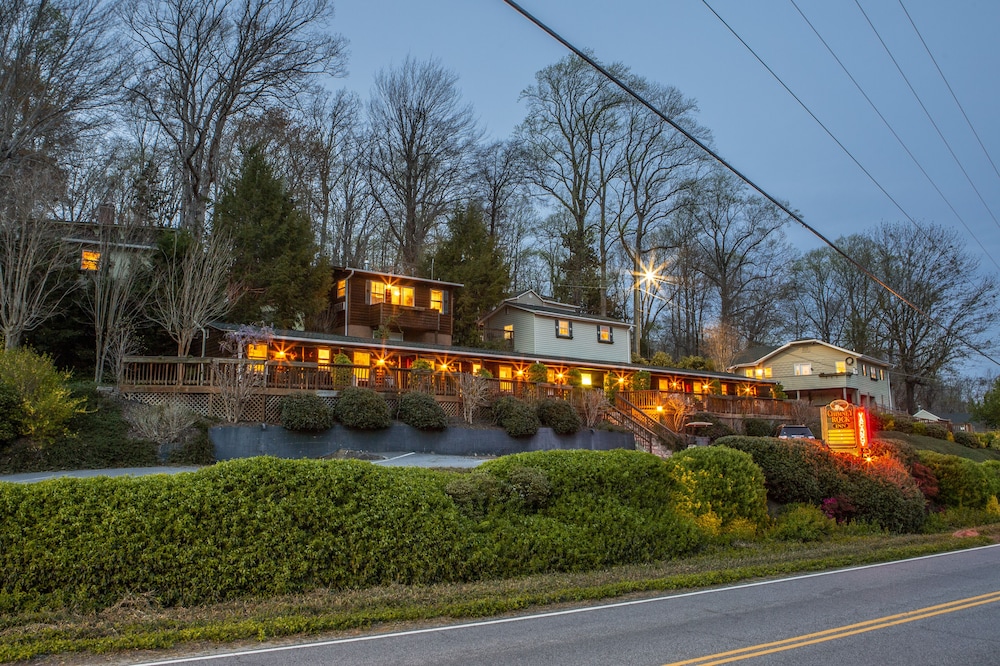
{"points": [[264, 526], [848, 488]]}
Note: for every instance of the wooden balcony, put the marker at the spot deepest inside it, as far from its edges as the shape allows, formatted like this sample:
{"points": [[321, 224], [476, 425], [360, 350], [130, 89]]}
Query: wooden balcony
{"points": [[400, 317], [497, 338]]}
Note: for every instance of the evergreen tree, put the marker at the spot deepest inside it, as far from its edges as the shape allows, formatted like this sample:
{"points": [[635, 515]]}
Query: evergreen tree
{"points": [[470, 256], [276, 260], [580, 282], [988, 410]]}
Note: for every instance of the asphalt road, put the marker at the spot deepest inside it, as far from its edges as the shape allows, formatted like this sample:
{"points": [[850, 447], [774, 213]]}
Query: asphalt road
{"points": [[943, 609]]}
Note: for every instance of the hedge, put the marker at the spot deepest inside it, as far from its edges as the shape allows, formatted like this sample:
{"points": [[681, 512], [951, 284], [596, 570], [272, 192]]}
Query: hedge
{"points": [[720, 483], [362, 408], [422, 411], [263, 526], [559, 415], [306, 412]]}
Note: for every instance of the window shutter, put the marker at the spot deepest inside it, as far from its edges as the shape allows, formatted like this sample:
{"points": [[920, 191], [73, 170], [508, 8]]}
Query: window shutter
{"points": [[570, 329], [444, 301], [611, 333], [368, 292]]}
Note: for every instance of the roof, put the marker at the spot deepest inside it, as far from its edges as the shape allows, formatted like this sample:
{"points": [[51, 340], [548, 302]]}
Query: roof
{"points": [[811, 341], [559, 311], [333, 339], [392, 277], [924, 415]]}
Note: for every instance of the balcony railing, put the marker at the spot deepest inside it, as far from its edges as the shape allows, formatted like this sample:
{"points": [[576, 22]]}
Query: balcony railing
{"points": [[497, 338], [403, 317]]}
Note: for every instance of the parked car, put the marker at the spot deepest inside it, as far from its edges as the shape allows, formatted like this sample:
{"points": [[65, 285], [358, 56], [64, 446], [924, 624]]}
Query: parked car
{"points": [[795, 432]]}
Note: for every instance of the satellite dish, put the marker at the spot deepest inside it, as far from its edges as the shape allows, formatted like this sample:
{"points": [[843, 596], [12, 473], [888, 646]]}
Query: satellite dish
{"points": [[849, 360]]}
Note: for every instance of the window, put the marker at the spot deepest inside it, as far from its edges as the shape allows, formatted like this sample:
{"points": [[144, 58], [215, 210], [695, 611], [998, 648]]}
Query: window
{"points": [[586, 379], [881, 374], [749, 372], [341, 289], [506, 372], [476, 367], [323, 356], [605, 334], [90, 260], [767, 373], [377, 292], [381, 292], [871, 371], [802, 369], [759, 373], [841, 367], [439, 301], [564, 328], [508, 332]]}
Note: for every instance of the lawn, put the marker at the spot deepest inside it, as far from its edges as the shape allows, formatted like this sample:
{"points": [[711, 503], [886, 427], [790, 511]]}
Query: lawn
{"points": [[922, 442]]}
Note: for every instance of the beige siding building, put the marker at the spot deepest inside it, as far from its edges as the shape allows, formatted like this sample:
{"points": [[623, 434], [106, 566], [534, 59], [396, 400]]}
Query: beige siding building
{"points": [[820, 372]]}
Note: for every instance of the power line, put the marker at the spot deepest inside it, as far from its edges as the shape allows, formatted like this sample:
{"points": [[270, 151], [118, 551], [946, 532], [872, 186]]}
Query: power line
{"points": [[892, 131], [732, 169], [953, 95], [920, 101]]}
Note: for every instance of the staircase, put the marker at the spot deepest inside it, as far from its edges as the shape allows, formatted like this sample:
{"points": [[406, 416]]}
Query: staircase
{"points": [[650, 435]]}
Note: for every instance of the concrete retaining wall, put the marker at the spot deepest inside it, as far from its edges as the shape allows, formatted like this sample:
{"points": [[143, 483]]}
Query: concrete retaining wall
{"points": [[247, 441]]}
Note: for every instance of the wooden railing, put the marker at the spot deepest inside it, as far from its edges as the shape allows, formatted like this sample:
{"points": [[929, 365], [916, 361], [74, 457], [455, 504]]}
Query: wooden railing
{"points": [[497, 338], [723, 405], [634, 413]]}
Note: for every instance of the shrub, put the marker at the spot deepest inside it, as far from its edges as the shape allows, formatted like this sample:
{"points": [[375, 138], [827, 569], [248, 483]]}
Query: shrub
{"points": [[306, 412], [720, 481], [969, 439], [515, 416], [11, 414], [342, 374], [882, 492], [362, 408], [537, 372], [962, 482], [919, 428], [47, 403], [195, 449], [422, 411], [559, 415], [422, 365], [713, 432], [162, 424], [757, 428], [936, 430], [794, 472], [802, 522], [574, 377], [641, 380]]}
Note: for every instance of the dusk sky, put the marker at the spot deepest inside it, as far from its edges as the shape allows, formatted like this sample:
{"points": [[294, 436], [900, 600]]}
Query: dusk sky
{"points": [[755, 123]]}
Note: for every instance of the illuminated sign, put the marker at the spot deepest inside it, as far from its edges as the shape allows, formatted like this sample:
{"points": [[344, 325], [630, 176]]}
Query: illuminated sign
{"points": [[845, 427]]}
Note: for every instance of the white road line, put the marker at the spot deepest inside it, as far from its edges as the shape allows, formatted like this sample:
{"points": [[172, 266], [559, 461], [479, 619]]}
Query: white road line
{"points": [[572, 611], [388, 460]]}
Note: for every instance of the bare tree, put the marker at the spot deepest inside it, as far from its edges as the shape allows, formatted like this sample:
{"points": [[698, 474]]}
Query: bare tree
{"points": [[206, 62], [240, 379], [422, 138], [191, 288], [60, 65], [32, 254], [475, 393], [721, 344], [820, 303]]}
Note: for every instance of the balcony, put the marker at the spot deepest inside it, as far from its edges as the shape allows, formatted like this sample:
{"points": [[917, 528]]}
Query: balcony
{"points": [[403, 318], [497, 338]]}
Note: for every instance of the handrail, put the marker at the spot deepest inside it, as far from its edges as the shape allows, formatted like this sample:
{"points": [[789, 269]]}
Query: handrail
{"points": [[640, 418]]}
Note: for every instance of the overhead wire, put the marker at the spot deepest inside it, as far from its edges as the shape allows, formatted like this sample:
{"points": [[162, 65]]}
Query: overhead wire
{"points": [[892, 130], [732, 169], [950, 90], [937, 129]]}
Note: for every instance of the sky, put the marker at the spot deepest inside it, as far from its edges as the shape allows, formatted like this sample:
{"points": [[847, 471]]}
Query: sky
{"points": [[755, 123]]}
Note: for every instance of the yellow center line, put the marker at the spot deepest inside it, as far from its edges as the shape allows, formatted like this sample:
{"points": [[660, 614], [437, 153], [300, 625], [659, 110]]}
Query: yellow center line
{"points": [[840, 632]]}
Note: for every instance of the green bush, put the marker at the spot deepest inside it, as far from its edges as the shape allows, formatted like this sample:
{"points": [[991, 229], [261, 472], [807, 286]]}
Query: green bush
{"points": [[720, 481], [641, 380], [962, 482], [11, 414], [306, 412], [47, 403], [802, 522], [342, 374], [936, 430], [559, 415], [262, 527], [195, 450], [363, 409], [969, 439], [881, 492], [716, 430], [515, 416], [422, 411], [794, 472], [757, 428], [537, 372]]}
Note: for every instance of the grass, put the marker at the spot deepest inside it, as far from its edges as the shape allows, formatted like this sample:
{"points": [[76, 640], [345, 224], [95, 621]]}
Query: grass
{"points": [[941, 446], [136, 623]]}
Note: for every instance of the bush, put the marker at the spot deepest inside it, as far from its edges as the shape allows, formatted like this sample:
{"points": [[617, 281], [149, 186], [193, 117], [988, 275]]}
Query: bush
{"points": [[802, 522], [882, 492], [362, 408], [195, 449], [11, 414], [720, 481], [961, 482], [46, 402], [422, 411], [559, 415], [515, 416], [641, 380], [969, 439], [758, 428], [794, 472], [537, 372], [162, 424], [306, 412], [262, 527], [936, 430]]}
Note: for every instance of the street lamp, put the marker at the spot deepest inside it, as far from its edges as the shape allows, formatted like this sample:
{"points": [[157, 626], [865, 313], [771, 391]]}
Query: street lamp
{"points": [[646, 280]]}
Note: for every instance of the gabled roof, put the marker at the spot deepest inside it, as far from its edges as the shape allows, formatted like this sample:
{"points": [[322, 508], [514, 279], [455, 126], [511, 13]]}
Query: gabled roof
{"points": [[811, 341], [392, 277], [529, 301]]}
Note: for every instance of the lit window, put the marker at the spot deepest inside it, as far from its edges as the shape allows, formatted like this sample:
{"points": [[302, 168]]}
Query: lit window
{"points": [[508, 332], [564, 328], [802, 369], [323, 356], [439, 301], [476, 367], [506, 372], [341, 288], [362, 358], [841, 367], [872, 371], [90, 260], [758, 372], [767, 373], [377, 293], [400, 296], [586, 379], [663, 383], [605, 334], [881, 374], [749, 372], [257, 351]]}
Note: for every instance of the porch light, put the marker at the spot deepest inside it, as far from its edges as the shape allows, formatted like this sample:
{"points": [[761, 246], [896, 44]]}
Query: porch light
{"points": [[520, 373], [380, 362], [659, 408]]}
